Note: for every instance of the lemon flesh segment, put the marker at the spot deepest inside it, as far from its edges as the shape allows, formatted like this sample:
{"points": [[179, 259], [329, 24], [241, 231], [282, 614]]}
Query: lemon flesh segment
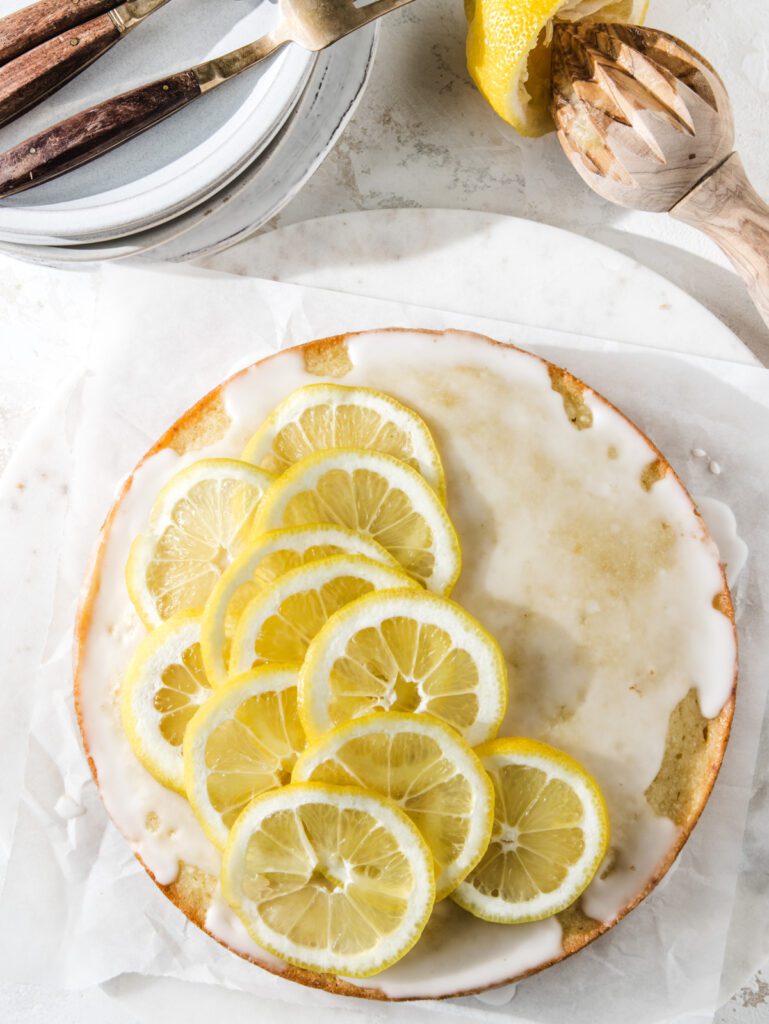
{"points": [[259, 565], [329, 878], [320, 417], [198, 524], [164, 686], [508, 51], [423, 766], [373, 494], [551, 832], [404, 650], [278, 625], [242, 742]]}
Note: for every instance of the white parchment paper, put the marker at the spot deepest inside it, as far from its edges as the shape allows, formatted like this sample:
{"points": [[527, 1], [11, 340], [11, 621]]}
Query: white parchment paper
{"points": [[76, 909]]}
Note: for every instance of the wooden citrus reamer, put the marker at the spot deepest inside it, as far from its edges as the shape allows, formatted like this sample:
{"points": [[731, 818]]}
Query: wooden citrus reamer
{"points": [[647, 123]]}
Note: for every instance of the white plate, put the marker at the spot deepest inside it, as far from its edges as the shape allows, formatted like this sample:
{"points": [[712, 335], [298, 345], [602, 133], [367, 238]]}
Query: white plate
{"points": [[259, 192], [178, 164]]}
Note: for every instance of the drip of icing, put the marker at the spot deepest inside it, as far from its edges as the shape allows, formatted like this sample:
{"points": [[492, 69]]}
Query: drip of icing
{"points": [[723, 527], [68, 808], [598, 589], [498, 996]]}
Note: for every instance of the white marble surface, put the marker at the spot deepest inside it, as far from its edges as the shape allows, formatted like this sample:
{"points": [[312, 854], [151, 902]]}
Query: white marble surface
{"points": [[421, 137]]}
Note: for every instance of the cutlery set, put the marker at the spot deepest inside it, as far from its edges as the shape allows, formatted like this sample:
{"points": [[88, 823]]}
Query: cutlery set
{"points": [[46, 45]]}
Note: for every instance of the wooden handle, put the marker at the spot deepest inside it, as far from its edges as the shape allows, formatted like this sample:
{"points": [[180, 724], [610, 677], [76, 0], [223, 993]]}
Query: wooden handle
{"points": [[725, 206], [92, 132], [39, 72], [27, 28]]}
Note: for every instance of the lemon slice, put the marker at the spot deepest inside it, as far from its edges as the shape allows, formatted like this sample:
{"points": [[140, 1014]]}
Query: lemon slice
{"points": [[551, 831], [374, 494], [323, 416], [404, 650], [424, 767], [508, 51], [243, 741], [329, 878], [198, 524], [163, 687], [278, 624], [259, 565]]}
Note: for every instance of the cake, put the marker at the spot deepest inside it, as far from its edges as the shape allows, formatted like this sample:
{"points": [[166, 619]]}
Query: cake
{"points": [[583, 555]]}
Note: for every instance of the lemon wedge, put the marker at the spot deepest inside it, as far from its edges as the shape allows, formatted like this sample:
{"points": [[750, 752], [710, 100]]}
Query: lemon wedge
{"points": [[241, 742], [508, 51], [199, 522], [278, 624], [324, 416], [404, 650], [551, 831], [376, 495], [329, 878], [426, 769], [163, 687], [260, 565]]}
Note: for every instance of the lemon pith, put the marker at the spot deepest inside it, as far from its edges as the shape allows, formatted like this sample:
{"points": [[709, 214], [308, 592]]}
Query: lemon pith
{"points": [[551, 832], [163, 686], [423, 766], [377, 495], [329, 878], [259, 565], [320, 417], [243, 741], [404, 650]]}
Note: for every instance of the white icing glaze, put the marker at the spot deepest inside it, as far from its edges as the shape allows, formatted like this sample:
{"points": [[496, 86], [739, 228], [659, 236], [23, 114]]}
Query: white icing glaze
{"points": [[723, 529], [599, 591]]}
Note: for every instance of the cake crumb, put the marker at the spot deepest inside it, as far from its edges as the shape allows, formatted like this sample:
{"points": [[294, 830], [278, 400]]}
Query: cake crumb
{"points": [[714, 467]]}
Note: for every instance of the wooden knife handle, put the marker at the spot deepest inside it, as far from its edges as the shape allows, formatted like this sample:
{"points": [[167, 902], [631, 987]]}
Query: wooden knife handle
{"points": [[32, 25], [92, 132], [31, 77], [726, 207]]}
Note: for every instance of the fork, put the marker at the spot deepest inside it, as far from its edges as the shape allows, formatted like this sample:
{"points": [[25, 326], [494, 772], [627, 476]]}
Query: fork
{"points": [[312, 24]]}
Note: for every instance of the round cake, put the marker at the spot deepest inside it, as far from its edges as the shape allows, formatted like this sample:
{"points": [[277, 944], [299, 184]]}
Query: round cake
{"points": [[583, 555]]}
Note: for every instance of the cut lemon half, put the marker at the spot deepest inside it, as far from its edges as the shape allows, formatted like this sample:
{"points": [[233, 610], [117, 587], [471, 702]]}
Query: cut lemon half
{"points": [[324, 416], [551, 831], [278, 624], [329, 878], [404, 650], [257, 567], [427, 770], [508, 51], [373, 494], [198, 523], [243, 741], [163, 687]]}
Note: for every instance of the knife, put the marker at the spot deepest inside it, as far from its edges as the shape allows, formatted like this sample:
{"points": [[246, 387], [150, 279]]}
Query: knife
{"points": [[36, 73]]}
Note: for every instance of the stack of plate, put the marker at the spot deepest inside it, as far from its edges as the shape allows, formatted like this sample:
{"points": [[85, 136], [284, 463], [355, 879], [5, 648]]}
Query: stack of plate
{"points": [[212, 173]]}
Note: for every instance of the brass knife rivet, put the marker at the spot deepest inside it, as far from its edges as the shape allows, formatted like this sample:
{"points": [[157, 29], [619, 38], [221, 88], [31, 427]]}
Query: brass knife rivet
{"points": [[74, 42], [165, 88], [32, 150]]}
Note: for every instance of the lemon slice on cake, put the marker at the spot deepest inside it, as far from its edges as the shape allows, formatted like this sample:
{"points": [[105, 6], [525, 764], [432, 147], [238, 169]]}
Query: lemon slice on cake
{"points": [[508, 51], [551, 832], [163, 688], [329, 878], [278, 624], [260, 565], [199, 522], [423, 766], [243, 741], [374, 494], [323, 416], [404, 650]]}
